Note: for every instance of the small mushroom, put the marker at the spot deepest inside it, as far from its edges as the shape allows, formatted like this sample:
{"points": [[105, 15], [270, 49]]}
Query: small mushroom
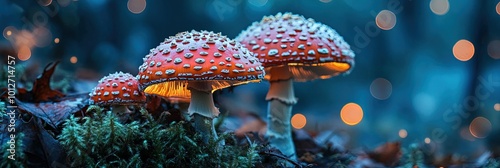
{"points": [[293, 48], [200, 74], [118, 90]]}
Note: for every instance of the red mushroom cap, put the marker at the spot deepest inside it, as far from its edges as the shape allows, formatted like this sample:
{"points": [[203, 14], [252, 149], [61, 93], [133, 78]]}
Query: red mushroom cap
{"points": [[310, 49], [117, 89], [197, 56]]}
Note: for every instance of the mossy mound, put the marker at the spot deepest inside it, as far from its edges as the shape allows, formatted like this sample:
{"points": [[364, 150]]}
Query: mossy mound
{"points": [[102, 141]]}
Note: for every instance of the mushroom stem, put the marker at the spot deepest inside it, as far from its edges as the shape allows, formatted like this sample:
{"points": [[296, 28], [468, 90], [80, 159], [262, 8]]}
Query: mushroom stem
{"points": [[122, 112], [281, 99], [202, 109]]}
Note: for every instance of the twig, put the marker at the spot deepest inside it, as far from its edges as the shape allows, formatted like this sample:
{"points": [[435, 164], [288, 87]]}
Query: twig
{"points": [[281, 157]]}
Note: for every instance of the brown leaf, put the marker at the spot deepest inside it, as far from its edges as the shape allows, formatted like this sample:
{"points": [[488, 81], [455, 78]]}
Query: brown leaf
{"points": [[52, 106], [387, 154], [41, 88], [54, 113], [41, 91]]}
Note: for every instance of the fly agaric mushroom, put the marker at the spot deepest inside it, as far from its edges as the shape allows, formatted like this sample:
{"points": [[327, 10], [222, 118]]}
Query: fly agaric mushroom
{"points": [[195, 64], [118, 90], [293, 48]]}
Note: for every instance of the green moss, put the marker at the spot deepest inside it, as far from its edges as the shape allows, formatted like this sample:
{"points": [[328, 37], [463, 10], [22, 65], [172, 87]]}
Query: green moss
{"points": [[102, 141], [413, 156], [3, 110], [492, 163]]}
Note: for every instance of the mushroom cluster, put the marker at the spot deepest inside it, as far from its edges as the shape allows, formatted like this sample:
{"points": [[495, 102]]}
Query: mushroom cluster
{"points": [[293, 48], [192, 65]]}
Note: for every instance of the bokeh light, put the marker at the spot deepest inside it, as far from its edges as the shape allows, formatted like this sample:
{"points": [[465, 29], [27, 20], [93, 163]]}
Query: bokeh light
{"points": [[136, 6], [8, 31], [73, 59], [258, 3], [494, 49], [351, 114], [298, 121], [463, 50], [403, 133], [386, 20], [325, 1], [427, 140], [498, 8], [56, 40], [497, 107], [480, 127], [24, 53], [381, 88], [439, 7], [44, 2]]}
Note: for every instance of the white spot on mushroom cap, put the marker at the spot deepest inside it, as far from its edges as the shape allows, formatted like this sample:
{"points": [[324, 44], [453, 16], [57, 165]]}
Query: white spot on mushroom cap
{"points": [[197, 67], [199, 60], [177, 60], [188, 55], [272, 52], [170, 71]]}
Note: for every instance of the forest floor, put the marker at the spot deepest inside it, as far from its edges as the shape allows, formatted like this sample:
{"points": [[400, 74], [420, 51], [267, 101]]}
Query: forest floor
{"points": [[56, 128]]}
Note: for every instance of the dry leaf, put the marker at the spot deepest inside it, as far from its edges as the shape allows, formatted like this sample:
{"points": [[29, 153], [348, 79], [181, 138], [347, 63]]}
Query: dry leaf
{"points": [[54, 113], [387, 154]]}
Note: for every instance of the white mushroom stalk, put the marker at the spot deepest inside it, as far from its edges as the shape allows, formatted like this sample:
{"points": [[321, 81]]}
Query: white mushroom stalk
{"points": [[121, 111], [281, 98], [202, 109]]}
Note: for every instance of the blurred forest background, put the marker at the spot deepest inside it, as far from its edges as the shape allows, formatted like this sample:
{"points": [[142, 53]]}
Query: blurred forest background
{"points": [[426, 71]]}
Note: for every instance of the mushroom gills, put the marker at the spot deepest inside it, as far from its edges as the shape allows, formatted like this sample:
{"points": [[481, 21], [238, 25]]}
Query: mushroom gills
{"points": [[307, 72]]}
